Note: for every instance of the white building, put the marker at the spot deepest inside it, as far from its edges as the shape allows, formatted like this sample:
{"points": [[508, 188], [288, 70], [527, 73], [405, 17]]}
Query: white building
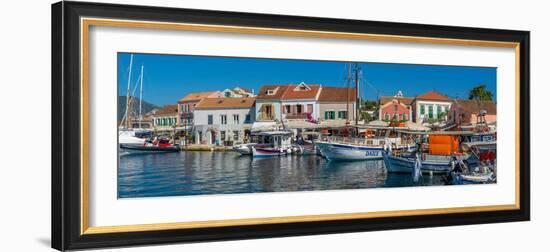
{"points": [[223, 121], [291, 101], [431, 106], [238, 92]]}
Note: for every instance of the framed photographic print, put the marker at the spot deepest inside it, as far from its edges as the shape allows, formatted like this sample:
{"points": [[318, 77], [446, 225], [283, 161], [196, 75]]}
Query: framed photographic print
{"points": [[179, 125]]}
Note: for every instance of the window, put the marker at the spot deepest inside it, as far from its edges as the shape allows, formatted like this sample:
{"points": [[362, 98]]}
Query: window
{"points": [[222, 135], [430, 112], [236, 135], [270, 92], [287, 109], [342, 114], [210, 119], [404, 117], [236, 119], [299, 109], [387, 116], [438, 110], [223, 119], [422, 109], [395, 117], [227, 94], [329, 115], [247, 119]]}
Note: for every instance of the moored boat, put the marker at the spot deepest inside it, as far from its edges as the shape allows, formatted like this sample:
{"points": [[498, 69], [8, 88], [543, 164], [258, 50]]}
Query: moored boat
{"points": [[149, 146], [273, 143], [442, 149], [244, 149]]}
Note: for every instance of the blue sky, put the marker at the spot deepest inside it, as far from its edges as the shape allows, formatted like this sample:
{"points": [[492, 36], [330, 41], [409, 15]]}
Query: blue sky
{"points": [[168, 78]]}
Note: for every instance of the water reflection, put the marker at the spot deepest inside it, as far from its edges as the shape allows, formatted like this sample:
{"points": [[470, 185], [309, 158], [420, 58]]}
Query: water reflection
{"points": [[192, 173]]}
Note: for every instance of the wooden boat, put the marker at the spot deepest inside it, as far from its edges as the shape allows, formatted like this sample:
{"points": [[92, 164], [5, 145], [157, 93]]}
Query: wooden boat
{"points": [[442, 149]]}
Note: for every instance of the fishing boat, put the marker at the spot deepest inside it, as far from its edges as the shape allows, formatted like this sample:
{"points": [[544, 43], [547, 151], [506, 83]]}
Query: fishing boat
{"points": [[352, 145], [273, 143], [442, 149]]}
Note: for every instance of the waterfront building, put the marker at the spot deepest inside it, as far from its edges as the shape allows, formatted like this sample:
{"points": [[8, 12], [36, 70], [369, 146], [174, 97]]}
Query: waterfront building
{"points": [[223, 121], [465, 112], [395, 108], [299, 101], [165, 117], [431, 107], [269, 102], [333, 103], [186, 106], [238, 92]]}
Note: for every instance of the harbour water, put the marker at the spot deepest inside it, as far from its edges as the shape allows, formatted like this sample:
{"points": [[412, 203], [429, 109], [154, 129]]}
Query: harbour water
{"points": [[196, 173]]}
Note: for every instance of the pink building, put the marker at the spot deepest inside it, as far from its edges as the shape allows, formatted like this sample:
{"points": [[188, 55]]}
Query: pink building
{"points": [[464, 112], [395, 108], [187, 104]]}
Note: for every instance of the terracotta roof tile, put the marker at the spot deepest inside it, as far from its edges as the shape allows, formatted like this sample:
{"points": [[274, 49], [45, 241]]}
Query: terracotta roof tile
{"points": [[433, 96], [199, 96], [293, 92], [167, 110], [226, 103], [473, 106], [278, 90], [404, 100], [336, 94]]}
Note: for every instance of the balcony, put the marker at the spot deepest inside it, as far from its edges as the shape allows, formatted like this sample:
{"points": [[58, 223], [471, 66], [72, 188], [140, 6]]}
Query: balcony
{"points": [[296, 115], [265, 117]]}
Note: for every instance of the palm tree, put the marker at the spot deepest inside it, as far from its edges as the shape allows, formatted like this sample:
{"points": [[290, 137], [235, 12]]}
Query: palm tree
{"points": [[480, 93]]}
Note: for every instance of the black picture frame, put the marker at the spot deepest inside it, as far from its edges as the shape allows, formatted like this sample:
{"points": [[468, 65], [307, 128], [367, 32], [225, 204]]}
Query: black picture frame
{"points": [[66, 114]]}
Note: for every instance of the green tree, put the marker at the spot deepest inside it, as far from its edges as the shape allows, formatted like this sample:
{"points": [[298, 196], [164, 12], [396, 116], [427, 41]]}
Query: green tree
{"points": [[480, 93], [369, 105], [365, 116]]}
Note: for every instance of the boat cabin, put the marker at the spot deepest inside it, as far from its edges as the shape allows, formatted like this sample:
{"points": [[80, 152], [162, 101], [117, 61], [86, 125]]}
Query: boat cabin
{"points": [[273, 139]]}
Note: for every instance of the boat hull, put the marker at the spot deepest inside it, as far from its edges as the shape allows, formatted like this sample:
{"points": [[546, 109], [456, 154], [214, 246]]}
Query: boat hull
{"points": [[347, 152], [406, 164], [134, 149], [268, 152], [244, 149]]}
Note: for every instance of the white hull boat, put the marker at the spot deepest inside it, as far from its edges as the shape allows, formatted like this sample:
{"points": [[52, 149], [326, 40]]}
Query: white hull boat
{"points": [[244, 149], [351, 152], [430, 164], [259, 151]]}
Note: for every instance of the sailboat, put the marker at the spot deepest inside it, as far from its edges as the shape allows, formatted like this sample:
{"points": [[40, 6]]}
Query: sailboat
{"points": [[126, 134], [358, 148]]}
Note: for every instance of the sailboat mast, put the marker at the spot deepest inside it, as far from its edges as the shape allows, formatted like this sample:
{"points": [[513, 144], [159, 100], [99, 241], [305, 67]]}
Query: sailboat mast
{"points": [[128, 92], [347, 93], [140, 95], [356, 93]]}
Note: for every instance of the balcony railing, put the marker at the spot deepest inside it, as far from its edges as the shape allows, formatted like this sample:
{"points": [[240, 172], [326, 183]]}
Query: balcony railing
{"points": [[296, 115], [265, 117]]}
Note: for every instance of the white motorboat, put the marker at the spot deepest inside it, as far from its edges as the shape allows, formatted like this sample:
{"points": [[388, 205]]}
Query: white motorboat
{"points": [[244, 149], [273, 143]]}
